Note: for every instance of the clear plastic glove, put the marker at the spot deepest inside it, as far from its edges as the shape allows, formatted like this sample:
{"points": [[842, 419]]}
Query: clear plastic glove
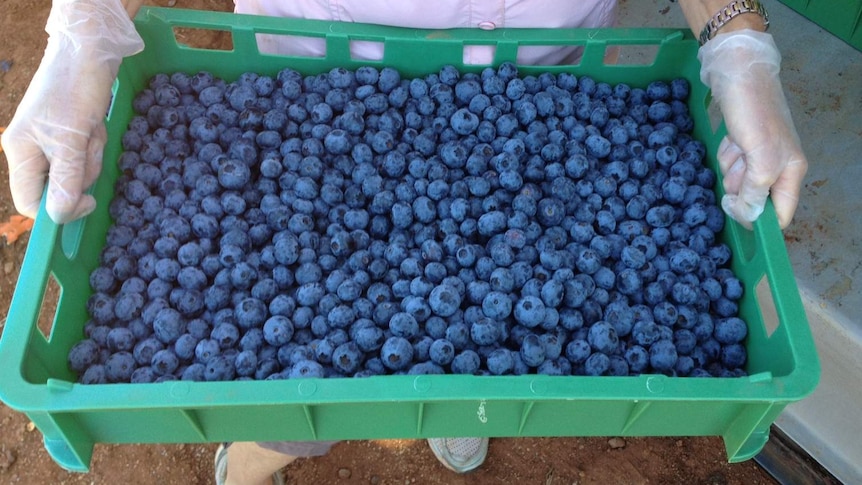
{"points": [[761, 154], [58, 130]]}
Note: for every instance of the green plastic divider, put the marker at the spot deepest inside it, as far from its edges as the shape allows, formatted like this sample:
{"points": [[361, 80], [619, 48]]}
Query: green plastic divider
{"points": [[783, 364]]}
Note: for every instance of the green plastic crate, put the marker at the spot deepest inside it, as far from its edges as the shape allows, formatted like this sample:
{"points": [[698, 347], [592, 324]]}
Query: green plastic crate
{"points": [[783, 365], [842, 18]]}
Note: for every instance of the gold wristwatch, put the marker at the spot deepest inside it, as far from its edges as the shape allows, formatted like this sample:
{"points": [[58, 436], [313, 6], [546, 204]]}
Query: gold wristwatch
{"points": [[728, 12]]}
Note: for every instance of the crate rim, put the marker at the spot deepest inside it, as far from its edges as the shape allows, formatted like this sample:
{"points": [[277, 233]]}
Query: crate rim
{"points": [[799, 383]]}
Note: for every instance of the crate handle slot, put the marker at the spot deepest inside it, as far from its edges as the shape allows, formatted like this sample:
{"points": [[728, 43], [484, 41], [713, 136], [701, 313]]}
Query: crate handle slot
{"points": [[631, 54], [778, 304], [48, 308], [27, 298], [248, 30], [203, 39]]}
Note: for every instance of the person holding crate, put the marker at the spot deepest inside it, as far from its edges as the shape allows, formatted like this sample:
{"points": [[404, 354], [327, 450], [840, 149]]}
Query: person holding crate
{"points": [[59, 136]]}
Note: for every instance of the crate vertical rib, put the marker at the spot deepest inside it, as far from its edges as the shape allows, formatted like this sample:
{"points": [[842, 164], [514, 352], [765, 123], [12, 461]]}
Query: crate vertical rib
{"points": [[857, 25], [747, 434], [192, 418], [525, 413], [308, 411], [637, 411], [420, 416], [505, 52], [66, 440], [338, 49]]}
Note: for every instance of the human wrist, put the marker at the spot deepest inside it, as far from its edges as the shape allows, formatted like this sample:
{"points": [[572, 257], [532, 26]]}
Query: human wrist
{"points": [[132, 7], [700, 13], [744, 61]]}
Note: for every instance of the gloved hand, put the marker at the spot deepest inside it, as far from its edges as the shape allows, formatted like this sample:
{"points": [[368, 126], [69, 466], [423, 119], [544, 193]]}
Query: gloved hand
{"points": [[58, 130], [761, 153]]}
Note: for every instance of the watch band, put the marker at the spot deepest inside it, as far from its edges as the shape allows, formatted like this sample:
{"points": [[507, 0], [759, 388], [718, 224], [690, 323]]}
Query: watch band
{"points": [[731, 10]]}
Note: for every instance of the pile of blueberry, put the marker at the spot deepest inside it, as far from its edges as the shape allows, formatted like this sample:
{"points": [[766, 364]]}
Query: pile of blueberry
{"points": [[354, 223]]}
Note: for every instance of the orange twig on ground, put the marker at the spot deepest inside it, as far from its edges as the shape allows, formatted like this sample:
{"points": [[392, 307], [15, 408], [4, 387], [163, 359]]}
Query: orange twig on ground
{"points": [[15, 227]]}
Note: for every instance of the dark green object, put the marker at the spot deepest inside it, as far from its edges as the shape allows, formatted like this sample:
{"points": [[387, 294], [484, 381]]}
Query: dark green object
{"points": [[783, 364], [843, 18]]}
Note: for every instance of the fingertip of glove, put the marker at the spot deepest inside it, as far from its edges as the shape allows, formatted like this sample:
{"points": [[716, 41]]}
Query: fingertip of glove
{"points": [[29, 210], [740, 211], [62, 212]]}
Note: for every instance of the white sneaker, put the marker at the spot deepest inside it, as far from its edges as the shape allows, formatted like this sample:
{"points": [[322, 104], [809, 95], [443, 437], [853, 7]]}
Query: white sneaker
{"points": [[221, 468], [459, 454]]}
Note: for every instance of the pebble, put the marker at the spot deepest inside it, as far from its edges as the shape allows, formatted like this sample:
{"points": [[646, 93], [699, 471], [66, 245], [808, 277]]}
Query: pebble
{"points": [[8, 267], [7, 458], [344, 473], [616, 443], [374, 480]]}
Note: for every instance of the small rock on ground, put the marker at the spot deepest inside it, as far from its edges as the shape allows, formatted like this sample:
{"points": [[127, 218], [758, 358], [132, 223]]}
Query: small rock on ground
{"points": [[7, 458], [616, 443]]}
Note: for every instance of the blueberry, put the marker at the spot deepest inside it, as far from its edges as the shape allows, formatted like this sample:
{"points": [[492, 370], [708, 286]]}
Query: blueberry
{"points": [[466, 362], [128, 306], [444, 300], [143, 375], [425, 368], [341, 316], [97, 373], [396, 353], [532, 350], [164, 362], [730, 330], [685, 341], [404, 325], [464, 121], [500, 361], [250, 312], [550, 212], [441, 352], [119, 367], [118, 339], [306, 369], [347, 357], [168, 325], [219, 368], [245, 363], [663, 355], [369, 339], [597, 364], [484, 331], [603, 337], [555, 367], [83, 354], [732, 288], [629, 281], [733, 356], [496, 305], [637, 358], [645, 333], [529, 311]]}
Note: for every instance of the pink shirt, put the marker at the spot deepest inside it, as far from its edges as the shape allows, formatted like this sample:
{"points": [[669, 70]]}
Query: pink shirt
{"points": [[436, 14]]}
